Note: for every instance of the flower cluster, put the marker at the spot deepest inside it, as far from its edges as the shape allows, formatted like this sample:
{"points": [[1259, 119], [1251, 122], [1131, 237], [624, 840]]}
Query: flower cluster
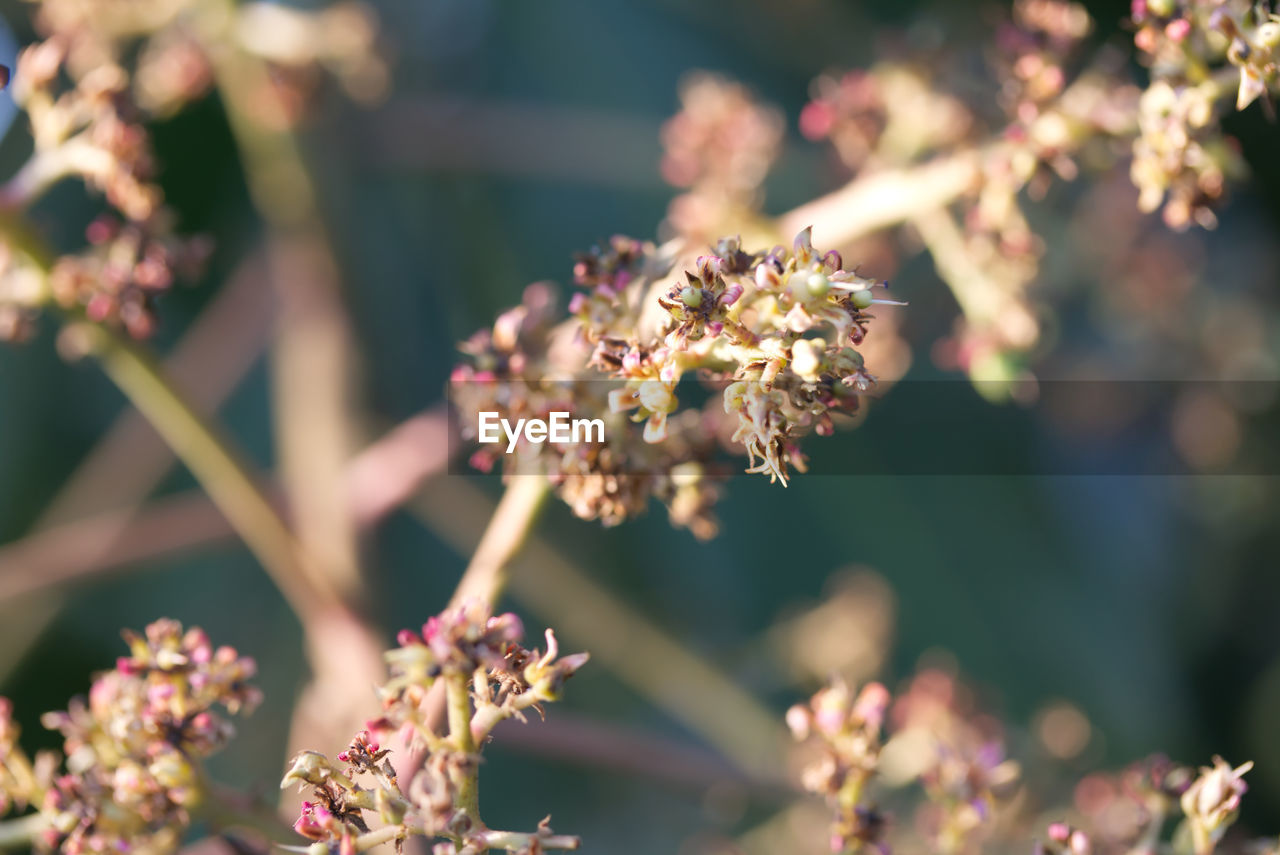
{"points": [[719, 146], [957, 754], [477, 661], [933, 739], [528, 367], [775, 333], [1130, 816], [861, 747], [88, 88], [132, 775], [1061, 108], [1122, 812], [848, 729], [1200, 54], [1212, 802], [906, 112]]}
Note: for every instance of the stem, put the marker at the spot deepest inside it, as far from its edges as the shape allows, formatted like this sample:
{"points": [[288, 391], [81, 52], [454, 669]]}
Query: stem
{"points": [[975, 291], [487, 573], [18, 833], [1202, 841], [46, 168], [224, 477], [206, 454], [518, 840], [868, 204], [377, 838], [458, 703]]}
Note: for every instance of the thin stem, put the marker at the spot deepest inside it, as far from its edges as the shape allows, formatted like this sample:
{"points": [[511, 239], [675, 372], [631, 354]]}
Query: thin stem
{"points": [[486, 576], [46, 168], [883, 199], [18, 833], [975, 291], [488, 572], [224, 477], [458, 702], [206, 454], [376, 838], [520, 840]]}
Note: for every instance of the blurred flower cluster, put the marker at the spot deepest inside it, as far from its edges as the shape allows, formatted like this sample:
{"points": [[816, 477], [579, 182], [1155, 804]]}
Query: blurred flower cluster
{"points": [[131, 775], [719, 147], [863, 748], [1062, 106], [477, 660], [934, 739], [101, 73], [774, 332]]}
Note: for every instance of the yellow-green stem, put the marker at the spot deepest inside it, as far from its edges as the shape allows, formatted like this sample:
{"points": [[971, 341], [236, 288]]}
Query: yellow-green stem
{"points": [[223, 476], [18, 833], [488, 571], [458, 703]]}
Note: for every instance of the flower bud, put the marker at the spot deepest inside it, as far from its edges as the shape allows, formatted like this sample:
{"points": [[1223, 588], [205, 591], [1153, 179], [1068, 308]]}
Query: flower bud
{"points": [[309, 767], [817, 284]]}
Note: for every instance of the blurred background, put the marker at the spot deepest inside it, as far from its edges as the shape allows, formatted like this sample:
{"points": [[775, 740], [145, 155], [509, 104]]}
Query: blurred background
{"points": [[514, 134]]}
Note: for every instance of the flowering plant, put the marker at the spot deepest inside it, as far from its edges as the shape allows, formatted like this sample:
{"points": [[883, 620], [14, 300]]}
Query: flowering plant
{"points": [[786, 319]]}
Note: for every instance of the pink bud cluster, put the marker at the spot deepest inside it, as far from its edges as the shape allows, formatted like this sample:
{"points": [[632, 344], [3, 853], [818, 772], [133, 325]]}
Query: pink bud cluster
{"points": [[132, 774], [477, 660]]}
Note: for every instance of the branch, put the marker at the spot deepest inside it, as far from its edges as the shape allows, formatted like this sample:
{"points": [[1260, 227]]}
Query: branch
{"points": [[226, 479], [883, 199], [377, 481], [487, 573], [18, 833]]}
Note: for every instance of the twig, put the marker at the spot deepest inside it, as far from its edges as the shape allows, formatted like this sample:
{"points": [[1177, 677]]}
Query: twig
{"points": [[883, 199], [130, 460], [487, 573], [378, 480], [18, 833], [586, 742], [222, 475]]}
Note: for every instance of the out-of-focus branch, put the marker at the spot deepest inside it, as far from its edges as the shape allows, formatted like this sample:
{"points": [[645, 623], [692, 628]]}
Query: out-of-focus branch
{"points": [[130, 460], [127, 463], [17, 833], [312, 391], [584, 742], [193, 439], [487, 573], [312, 358], [976, 292], [883, 199], [378, 480], [227, 480]]}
